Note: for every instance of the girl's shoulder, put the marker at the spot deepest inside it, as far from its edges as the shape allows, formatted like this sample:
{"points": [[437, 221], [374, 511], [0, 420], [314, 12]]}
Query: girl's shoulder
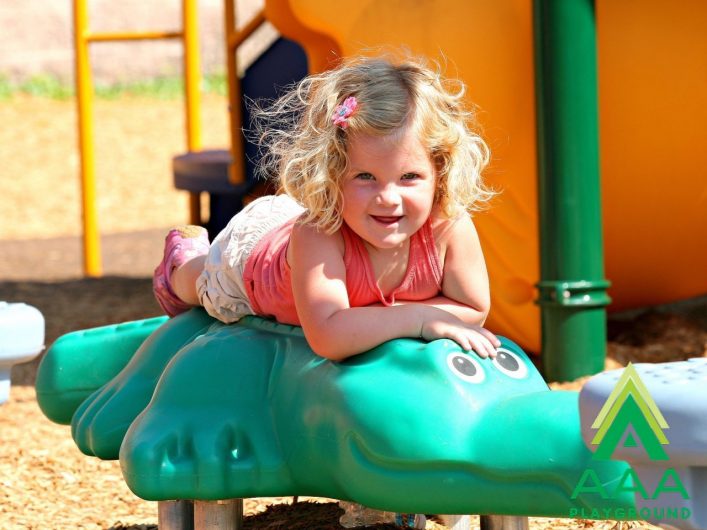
{"points": [[309, 238], [443, 228], [446, 231]]}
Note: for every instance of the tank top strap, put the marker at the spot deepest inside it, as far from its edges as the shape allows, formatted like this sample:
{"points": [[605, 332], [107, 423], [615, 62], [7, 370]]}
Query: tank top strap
{"points": [[428, 262], [357, 263], [355, 253]]}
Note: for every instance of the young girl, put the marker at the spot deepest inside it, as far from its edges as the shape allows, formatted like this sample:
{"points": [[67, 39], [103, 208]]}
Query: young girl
{"points": [[370, 239]]}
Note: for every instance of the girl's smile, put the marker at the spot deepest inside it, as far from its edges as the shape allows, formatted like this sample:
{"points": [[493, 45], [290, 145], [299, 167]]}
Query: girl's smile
{"points": [[387, 221], [388, 189]]}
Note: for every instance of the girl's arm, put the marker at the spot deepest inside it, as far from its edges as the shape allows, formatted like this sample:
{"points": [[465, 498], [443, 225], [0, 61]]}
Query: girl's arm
{"points": [[463, 312], [465, 285], [336, 331], [465, 281]]}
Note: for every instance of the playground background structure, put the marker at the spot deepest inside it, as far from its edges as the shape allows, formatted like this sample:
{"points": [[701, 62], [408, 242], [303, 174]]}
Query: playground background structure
{"points": [[494, 60], [651, 113]]}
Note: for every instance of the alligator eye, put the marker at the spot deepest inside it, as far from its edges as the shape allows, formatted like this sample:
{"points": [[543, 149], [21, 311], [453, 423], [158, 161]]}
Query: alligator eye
{"points": [[466, 367], [510, 364]]}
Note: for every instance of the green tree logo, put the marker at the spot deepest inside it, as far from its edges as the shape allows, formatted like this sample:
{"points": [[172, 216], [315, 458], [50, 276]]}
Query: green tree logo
{"points": [[630, 404]]}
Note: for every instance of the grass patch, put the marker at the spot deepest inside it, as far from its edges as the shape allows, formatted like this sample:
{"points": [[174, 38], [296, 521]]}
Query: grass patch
{"points": [[171, 87], [38, 85]]}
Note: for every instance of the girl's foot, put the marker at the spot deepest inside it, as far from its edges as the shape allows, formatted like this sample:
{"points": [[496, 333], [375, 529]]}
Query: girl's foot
{"points": [[181, 244]]}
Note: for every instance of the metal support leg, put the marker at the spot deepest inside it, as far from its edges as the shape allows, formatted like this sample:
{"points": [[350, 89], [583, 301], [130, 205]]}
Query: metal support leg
{"points": [[175, 515], [503, 522], [218, 515]]}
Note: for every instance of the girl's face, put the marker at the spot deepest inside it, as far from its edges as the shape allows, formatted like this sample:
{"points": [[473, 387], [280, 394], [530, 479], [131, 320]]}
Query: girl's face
{"points": [[389, 187]]}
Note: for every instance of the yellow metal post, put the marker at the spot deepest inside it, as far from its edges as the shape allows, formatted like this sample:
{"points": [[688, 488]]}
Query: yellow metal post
{"points": [[192, 75], [91, 237], [236, 173], [192, 92]]}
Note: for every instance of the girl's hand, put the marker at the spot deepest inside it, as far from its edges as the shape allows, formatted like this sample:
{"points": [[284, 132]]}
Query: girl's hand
{"points": [[439, 324]]}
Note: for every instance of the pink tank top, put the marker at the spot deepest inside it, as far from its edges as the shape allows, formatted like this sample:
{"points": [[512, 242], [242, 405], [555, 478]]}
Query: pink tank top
{"points": [[269, 284]]}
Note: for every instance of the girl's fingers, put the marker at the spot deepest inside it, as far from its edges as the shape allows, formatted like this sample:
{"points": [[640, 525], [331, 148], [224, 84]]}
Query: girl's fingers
{"points": [[482, 341], [483, 346], [460, 338], [464, 342]]}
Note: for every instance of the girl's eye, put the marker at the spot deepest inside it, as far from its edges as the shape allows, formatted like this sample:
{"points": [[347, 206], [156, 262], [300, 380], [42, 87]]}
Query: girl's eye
{"points": [[410, 176], [364, 176]]}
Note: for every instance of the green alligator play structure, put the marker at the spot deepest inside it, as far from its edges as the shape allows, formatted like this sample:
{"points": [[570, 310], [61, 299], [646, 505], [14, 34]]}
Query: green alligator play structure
{"points": [[203, 411]]}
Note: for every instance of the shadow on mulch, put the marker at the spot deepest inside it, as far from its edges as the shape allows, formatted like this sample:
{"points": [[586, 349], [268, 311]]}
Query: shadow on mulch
{"points": [[316, 516], [70, 305], [298, 516], [673, 332]]}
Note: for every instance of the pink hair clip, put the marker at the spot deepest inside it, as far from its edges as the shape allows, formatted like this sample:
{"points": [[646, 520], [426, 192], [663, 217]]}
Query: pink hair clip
{"points": [[343, 111]]}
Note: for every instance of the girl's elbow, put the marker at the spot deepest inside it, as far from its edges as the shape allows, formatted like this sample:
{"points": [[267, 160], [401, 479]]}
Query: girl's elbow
{"points": [[324, 339], [330, 353], [484, 308], [326, 349]]}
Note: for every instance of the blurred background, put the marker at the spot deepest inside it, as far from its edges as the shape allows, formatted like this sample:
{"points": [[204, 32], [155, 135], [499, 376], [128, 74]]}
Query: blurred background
{"points": [[139, 112]]}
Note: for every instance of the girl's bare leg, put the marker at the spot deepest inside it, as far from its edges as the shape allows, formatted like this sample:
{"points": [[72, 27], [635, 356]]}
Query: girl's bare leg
{"points": [[183, 280]]}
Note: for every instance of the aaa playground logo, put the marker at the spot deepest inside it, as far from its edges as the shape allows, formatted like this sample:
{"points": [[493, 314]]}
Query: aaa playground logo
{"points": [[629, 413], [630, 404]]}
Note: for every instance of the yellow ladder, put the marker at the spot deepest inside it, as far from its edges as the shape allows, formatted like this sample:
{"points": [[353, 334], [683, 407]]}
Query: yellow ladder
{"points": [[92, 263]]}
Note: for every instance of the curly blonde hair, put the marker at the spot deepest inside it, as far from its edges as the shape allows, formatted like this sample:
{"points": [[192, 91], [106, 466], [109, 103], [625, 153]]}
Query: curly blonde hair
{"points": [[306, 151]]}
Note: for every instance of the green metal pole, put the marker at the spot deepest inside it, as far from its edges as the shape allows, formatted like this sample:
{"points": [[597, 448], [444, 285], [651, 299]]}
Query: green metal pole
{"points": [[572, 290]]}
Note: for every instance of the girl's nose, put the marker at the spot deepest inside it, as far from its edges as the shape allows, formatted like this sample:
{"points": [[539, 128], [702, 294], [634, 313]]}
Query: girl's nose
{"points": [[388, 196]]}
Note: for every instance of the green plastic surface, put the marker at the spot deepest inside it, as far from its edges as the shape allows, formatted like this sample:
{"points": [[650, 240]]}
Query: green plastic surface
{"points": [[80, 362], [100, 422], [209, 411]]}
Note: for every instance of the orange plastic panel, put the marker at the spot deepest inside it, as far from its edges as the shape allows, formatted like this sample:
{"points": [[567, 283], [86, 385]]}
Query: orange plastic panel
{"points": [[653, 120]]}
